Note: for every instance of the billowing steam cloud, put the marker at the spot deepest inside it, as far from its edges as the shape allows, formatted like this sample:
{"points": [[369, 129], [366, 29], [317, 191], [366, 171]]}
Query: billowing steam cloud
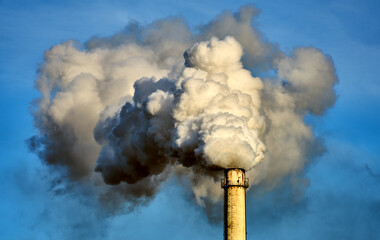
{"points": [[158, 100], [208, 116]]}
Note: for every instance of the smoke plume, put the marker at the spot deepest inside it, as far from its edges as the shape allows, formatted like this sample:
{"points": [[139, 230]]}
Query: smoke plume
{"points": [[154, 101]]}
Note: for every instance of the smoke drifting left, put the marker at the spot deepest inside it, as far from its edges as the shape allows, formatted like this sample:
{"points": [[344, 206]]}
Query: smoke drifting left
{"points": [[157, 100]]}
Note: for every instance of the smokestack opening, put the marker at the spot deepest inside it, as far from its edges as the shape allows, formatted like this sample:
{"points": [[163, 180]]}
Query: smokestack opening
{"points": [[231, 181], [234, 184]]}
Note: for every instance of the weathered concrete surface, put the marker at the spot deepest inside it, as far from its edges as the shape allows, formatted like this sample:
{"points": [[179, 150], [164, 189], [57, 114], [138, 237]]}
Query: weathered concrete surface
{"points": [[234, 184]]}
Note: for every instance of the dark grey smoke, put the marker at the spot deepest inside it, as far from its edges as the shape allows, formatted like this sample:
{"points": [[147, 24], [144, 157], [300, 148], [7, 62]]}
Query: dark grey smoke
{"points": [[135, 150]]}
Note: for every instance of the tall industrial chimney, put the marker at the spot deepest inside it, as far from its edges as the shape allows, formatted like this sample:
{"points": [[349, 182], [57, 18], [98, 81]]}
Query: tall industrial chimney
{"points": [[234, 184]]}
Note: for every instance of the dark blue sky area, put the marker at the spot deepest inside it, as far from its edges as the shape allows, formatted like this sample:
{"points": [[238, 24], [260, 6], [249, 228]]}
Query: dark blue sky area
{"points": [[343, 199]]}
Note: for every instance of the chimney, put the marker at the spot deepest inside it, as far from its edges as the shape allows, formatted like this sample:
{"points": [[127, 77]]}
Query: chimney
{"points": [[234, 184]]}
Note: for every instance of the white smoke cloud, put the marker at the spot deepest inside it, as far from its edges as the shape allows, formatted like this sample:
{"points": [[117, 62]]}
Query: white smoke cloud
{"points": [[217, 114], [133, 109]]}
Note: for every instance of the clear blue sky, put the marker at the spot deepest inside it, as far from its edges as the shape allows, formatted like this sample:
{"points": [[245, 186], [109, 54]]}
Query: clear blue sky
{"points": [[343, 200]]}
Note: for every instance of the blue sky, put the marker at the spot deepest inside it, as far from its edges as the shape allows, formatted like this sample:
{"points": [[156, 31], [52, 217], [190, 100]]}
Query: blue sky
{"points": [[343, 200]]}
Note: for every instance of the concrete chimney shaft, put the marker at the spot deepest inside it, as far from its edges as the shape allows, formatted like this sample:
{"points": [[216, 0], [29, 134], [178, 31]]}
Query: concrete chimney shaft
{"points": [[234, 184]]}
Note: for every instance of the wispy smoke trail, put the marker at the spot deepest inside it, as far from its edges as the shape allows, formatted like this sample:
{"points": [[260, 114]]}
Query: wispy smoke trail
{"points": [[157, 100], [371, 173]]}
